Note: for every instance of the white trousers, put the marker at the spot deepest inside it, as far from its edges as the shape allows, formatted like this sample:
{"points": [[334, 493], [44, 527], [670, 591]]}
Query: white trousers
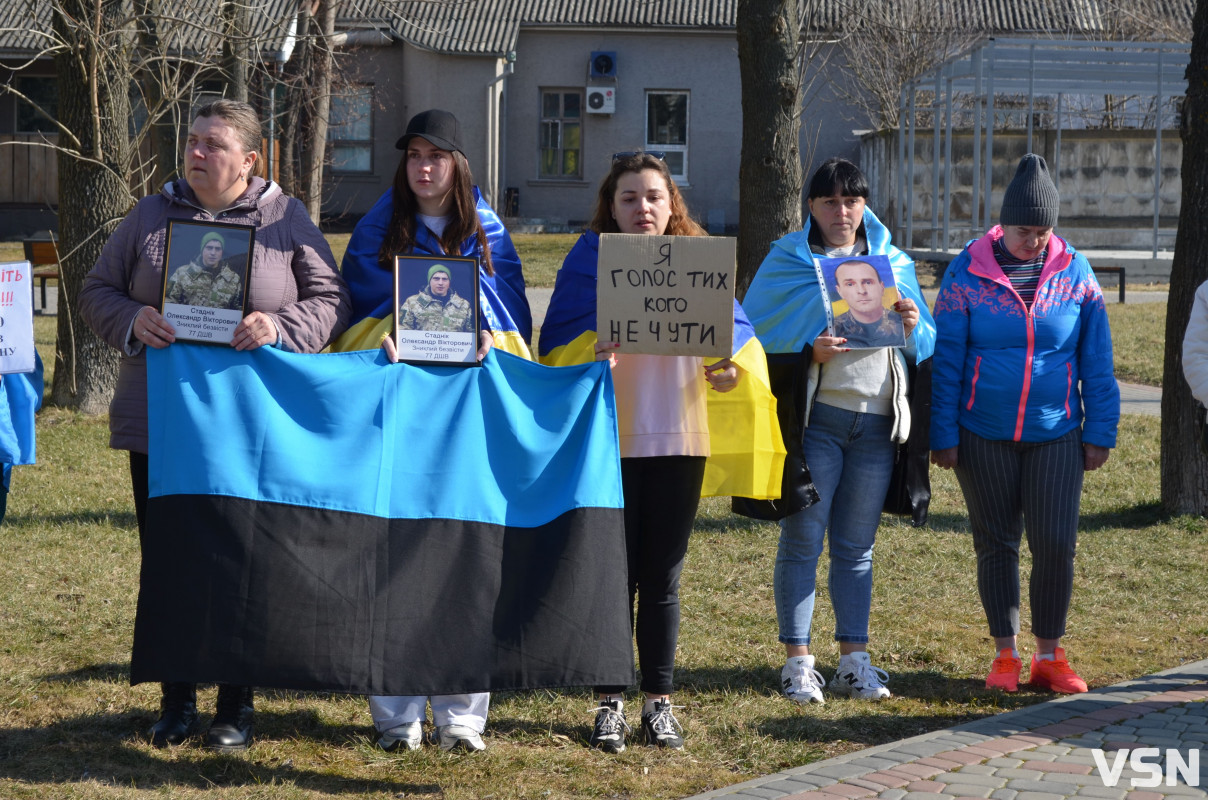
{"points": [[469, 710]]}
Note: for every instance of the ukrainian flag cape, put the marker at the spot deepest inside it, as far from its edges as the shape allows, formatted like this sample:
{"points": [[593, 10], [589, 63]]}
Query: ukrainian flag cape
{"points": [[785, 301], [504, 308], [747, 452], [20, 399]]}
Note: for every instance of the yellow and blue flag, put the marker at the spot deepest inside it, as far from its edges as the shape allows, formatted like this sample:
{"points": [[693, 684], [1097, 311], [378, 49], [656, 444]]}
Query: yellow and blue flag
{"points": [[502, 302], [746, 451]]}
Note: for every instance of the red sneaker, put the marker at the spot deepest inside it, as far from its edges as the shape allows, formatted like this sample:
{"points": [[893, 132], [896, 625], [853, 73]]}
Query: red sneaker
{"points": [[1056, 675], [1004, 672]]}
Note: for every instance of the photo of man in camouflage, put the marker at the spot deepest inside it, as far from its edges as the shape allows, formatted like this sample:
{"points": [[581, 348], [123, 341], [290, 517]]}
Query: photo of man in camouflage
{"points": [[436, 307], [206, 281]]}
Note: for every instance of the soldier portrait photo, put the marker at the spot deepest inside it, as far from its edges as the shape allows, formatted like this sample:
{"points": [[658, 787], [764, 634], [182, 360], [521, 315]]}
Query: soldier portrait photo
{"points": [[207, 265], [861, 302], [438, 306]]}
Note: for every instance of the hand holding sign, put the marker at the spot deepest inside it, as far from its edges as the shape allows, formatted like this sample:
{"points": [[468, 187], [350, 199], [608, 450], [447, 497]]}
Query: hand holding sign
{"points": [[16, 318], [666, 295]]}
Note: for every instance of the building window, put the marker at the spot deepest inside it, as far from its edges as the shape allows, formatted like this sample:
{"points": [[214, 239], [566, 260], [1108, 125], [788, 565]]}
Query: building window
{"points": [[561, 134], [350, 130], [44, 92], [667, 130]]}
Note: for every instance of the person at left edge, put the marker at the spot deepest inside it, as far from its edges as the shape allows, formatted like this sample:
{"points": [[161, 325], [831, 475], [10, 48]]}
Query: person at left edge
{"points": [[296, 300], [20, 399], [433, 208]]}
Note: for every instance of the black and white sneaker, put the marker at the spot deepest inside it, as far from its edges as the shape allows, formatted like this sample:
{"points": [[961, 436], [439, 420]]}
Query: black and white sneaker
{"points": [[660, 725], [611, 727]]}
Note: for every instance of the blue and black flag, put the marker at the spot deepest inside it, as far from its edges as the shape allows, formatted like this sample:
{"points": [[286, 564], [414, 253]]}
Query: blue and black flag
{"points": [[333, 522]]}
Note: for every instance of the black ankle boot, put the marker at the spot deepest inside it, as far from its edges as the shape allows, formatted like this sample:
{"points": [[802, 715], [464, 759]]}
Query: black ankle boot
{"points": [[232, 725], [177, 714]]}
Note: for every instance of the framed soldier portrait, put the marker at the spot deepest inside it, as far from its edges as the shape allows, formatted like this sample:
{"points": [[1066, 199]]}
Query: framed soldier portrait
{"points": [[861, 293], [436, 309], [206, 268]]}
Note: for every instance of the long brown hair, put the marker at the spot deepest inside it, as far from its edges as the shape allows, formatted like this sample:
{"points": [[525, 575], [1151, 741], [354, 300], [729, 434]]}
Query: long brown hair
{"points": [[401, 232], [679, 224]]}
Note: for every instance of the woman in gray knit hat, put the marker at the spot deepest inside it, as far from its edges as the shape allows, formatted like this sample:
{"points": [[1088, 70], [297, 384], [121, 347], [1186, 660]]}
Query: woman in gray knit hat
{"points": [[1024, 401]]}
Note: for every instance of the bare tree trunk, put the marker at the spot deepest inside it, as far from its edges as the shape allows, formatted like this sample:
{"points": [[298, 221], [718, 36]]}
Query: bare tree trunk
{"points": [[152, 78], [769, 174], [315, 153], [94, 103], [235, 38], [294, 79], [1184, 466]]}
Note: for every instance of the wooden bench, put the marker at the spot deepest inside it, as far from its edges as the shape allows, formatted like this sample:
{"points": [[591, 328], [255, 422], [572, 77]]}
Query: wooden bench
{"points": [[43, 256], [1118, 272]]}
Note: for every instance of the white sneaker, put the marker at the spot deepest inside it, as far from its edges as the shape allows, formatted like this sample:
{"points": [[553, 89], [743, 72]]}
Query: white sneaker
{"points": [[402, 737], [856, 676], [800, 682], [459, 737]]}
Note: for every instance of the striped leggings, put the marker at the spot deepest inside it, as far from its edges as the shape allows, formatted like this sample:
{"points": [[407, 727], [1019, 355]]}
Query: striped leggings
{"points": [[1010, 486]]}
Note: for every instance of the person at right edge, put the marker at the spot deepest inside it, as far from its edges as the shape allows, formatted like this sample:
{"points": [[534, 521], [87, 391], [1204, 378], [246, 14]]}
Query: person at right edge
{"points": [[1024, 402]]}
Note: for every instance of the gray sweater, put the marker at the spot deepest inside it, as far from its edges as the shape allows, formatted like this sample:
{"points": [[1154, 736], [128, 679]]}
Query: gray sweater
{"points": [[293, 279]]}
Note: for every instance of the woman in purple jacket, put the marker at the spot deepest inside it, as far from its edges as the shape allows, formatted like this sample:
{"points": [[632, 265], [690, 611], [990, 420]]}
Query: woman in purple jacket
{"points": [[295, 299], [1023, 401]]}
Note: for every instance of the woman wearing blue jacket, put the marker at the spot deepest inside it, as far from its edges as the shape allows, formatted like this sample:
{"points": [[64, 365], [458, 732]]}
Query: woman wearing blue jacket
{"points": [[1024, 400]]}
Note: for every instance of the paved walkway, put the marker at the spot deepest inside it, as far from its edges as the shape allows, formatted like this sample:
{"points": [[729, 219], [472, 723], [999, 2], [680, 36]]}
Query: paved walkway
{"points": [[1042, 752]]}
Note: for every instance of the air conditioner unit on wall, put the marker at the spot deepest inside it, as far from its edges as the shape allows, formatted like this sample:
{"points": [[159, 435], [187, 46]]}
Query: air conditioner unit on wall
{"points": [[601, 100]]}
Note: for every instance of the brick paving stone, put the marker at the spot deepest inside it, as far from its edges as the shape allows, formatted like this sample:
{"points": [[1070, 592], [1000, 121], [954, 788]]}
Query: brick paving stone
{"points": [[1056, 766], [788, 786], [998, 747], [992, 781], [942, 763], [1014, 773], [846, 790], [1055, 749], [806, 775], [1063, 729], [1129, 730], [1038, 755], [1033, 785], [924, 796], [1028, 740], [927, 747], [935, 787], [958, 790], [1182, 790], [892, 794], [761, 792], [864, 783], [1039, 796], [1144, 796], [1104, 792], [877, 762], [990, 749], [961, 756], [1004, 761], [801, 796], [1003, 794], [978, 769], [918, 770], [1073, 780], [841, 771], [889, 779]]}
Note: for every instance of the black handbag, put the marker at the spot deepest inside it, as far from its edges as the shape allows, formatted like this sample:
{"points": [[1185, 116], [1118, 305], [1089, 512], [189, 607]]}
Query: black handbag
{"points": [[909, 492], [787, 374]]}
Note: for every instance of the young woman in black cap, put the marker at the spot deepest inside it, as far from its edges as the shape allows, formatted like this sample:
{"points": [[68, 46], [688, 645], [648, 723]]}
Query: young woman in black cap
{"points": [[1024, 400], [433, 208]]}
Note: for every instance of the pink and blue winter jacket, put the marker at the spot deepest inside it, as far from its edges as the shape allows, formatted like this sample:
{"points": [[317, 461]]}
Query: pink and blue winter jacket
{"points": [[1008, 373]]}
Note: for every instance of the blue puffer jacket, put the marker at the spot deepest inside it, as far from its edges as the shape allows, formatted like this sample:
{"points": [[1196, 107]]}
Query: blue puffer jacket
{"points": [[1011, 374]]}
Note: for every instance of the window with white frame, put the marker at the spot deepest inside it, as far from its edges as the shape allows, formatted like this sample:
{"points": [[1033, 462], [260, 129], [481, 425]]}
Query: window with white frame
{"points": [[350, 130], [561, 134], [667, 130]]}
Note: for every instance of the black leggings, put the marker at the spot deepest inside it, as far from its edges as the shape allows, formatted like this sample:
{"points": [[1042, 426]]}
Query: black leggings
{"points": [[661, 497], [138, 482]]}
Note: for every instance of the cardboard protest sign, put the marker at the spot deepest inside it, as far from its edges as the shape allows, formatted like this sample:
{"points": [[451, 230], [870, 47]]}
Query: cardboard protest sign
{"points": [[16, 318], [666, 295]]}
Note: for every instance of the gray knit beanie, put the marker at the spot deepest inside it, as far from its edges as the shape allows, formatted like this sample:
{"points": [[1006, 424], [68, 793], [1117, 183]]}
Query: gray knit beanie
{"points": [[1031, 198]]}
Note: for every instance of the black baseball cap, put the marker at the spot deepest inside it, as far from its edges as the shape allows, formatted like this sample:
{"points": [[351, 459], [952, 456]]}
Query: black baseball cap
{"points": [[438, 127]]}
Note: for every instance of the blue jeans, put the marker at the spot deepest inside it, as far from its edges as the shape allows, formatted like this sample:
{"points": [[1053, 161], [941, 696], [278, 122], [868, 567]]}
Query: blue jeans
{"points": [[850, 457]]}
